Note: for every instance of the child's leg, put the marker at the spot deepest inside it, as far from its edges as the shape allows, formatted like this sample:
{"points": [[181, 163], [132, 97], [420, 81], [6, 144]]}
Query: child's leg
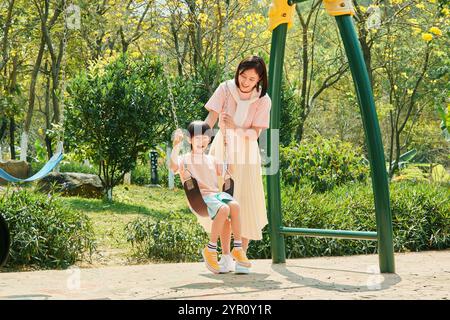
{"points": [[238, 253], [225, 237], [218, 223], [235, 220], [245, 243], [209, 253]]}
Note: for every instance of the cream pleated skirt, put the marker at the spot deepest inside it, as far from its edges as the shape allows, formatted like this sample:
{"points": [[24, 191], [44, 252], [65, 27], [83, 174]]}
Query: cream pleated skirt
{"points": [[248, 184]]}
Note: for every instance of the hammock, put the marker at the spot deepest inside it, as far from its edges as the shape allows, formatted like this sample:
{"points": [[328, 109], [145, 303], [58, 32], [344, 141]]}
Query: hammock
{"points": [[49, 166]]}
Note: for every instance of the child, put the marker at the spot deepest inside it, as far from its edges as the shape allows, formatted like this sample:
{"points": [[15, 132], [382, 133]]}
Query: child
{"points": [[205, 169]]}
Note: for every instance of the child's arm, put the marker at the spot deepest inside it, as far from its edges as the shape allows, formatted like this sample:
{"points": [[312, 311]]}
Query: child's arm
{"points": [[178, 138]]}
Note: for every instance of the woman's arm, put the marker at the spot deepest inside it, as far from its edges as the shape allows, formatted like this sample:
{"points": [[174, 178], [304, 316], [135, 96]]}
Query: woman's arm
{"points": [[251, 133], [212, 118]]}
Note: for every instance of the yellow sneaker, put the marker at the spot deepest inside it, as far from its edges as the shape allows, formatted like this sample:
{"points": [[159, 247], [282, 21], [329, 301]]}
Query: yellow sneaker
{"points": [[241, 258], [210, 258]]}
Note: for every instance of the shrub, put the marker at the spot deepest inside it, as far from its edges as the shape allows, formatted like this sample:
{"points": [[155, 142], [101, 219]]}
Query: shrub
{"points": [[115, 112], [140, 175], [420, 214], [71, 166], [174, 239], [421, 221], [322, 163], [44, 234]]}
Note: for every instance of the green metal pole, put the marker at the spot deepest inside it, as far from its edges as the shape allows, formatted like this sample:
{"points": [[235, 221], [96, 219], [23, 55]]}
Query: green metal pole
{"points": [[273, 180], [374, 143], [343, 234]]}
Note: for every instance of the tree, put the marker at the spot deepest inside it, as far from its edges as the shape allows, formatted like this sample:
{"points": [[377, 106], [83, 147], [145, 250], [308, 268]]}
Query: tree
{"points": [[116, 111]]}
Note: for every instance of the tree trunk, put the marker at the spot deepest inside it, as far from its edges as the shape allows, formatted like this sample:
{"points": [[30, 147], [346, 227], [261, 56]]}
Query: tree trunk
{"points": [[12, 130], [31, 99], [7, 25], [48, 124]]}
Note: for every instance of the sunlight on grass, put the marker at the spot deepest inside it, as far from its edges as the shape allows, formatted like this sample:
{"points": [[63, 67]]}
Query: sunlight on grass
{"points": [[130, 202]]}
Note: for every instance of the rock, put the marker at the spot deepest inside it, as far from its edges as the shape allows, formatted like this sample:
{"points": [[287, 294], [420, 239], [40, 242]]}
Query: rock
{"points": [[18, 169], [72, 184]]}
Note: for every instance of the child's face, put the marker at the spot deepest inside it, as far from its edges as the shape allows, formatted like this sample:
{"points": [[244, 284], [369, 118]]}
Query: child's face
{"points": [[199, 143]]}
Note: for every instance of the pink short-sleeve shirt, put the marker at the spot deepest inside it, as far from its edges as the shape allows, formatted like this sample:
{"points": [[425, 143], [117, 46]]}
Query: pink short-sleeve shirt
{"points": [[204, 168], [258, 114]]}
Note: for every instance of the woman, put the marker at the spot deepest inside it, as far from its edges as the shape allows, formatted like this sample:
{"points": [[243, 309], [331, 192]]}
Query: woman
{"points": [[242, 107]]}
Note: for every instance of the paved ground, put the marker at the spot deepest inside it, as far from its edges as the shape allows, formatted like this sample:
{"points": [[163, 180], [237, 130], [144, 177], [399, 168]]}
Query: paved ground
{"points": [[424, 275]]}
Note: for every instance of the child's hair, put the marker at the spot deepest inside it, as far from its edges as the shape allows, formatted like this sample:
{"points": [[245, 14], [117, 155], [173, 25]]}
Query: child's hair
{"points": [[198, 127], [257, 63]]}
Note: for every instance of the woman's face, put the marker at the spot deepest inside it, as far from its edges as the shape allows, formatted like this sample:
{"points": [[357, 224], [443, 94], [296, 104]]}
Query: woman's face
{"points": [[248, 80]]}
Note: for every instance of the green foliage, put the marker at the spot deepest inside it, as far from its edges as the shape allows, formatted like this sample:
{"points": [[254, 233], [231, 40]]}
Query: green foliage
{"points": [[439, 174], [411, 173], [44, 233], [290, 106], [323, 163], [424, 172], [176, 239], [66, 166], [141, 175], [420, 212], [116, 112], [421, 221], [190, 97]]}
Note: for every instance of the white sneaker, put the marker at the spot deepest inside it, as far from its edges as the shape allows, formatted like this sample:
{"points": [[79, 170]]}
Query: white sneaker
{"points": [[226, 263]]}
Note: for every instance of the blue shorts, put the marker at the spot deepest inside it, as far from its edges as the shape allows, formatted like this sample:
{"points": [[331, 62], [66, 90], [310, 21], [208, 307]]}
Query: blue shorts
{"points": [[216, 201]]}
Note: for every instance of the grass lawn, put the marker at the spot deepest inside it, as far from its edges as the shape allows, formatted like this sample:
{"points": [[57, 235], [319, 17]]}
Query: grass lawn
{"points": [[109, 219]]}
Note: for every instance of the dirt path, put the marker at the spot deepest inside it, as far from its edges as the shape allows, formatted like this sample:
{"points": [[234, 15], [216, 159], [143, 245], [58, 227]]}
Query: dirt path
{"points": [[423, 275]]}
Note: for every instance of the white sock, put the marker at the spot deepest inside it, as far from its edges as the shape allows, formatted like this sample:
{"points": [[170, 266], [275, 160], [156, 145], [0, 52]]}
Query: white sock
{"points": [[212, 246]]}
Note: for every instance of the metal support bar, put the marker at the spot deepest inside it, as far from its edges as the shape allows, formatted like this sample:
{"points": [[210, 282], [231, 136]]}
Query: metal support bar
{"points": [[373, 140], [345, 234], [273, 181]]}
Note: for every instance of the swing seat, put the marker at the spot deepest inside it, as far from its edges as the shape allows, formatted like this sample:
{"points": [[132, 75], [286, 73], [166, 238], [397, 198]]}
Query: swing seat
{"points": [[195, 198], [228, 186]]}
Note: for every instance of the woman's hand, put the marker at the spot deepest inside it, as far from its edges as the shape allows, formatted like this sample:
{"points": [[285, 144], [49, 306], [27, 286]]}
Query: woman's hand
{"points": [[227, 121]]}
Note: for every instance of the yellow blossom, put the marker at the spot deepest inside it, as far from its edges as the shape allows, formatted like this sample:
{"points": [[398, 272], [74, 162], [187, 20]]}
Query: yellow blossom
{"points": [[427, 36], [135, 54], [436, 31], [420, 6]]}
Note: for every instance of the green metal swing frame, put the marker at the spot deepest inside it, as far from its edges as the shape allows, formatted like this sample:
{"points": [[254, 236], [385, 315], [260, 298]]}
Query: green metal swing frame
{"points": [[380, 186]]}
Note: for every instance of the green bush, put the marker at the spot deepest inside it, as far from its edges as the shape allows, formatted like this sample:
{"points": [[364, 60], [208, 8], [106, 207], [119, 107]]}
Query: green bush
{"points": [[324, 163], [420, 213], [115, 111], [44, 234], [175, 239], [421, 221], [140, 175], [71, 166]]}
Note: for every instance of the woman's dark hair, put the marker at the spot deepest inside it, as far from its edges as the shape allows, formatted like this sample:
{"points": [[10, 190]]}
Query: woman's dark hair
{"points": [[257, 63], [198, 127]]}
